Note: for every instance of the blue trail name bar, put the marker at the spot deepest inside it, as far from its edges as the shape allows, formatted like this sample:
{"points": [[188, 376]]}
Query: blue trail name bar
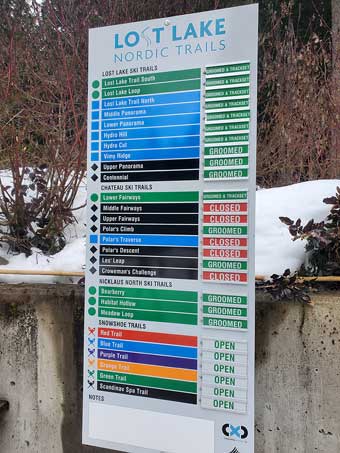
{"points": [[142, 239], [156, 99]]}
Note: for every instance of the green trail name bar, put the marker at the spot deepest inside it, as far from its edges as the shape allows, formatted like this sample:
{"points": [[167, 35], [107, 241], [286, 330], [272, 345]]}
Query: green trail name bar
{"points": [[226, 162], [224, 299], [140, 315], [151, 78], [147, 197], [226, 92], [159, 383], [144, 304], [225, 174], [226, 138], [224, 116], [225, 149], [224, 311], [228, 104], [164, 294], [225, 230], [227, 127], [153, 88], [228, 80], [226, 69], [225, 265], [224, 323]]}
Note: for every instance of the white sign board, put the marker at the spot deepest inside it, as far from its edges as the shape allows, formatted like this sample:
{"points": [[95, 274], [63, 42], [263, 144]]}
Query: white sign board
{"points": [[169, 328]]}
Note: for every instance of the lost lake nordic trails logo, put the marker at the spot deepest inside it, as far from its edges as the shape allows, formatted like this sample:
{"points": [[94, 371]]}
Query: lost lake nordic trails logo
{"points": [[230, 431]]}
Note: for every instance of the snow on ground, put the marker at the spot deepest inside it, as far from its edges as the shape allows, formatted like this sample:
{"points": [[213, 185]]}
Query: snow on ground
{"points": [[275, 250]]}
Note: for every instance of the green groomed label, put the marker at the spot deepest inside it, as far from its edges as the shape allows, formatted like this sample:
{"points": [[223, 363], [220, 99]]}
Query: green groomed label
{"points": [[142, 293], [147, 197], [226, 138], [159, 383], [224, 323], [241, 126], [228, 104], [153, 88], [226, 162], [225, 265], [224, 299], [243, 195], [225, 230], [228, 80], [143, 304], [143, 79], [224, 311], [140, 315], [226, 92], [227, 68], [225, 174], [225, 149], [221, 116]]}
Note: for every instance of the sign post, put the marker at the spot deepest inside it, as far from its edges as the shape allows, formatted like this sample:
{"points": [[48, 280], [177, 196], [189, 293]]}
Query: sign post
{"points": [[169, 326]]}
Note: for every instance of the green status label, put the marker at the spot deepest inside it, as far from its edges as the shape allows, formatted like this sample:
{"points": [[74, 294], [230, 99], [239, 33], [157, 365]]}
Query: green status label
{"points": [[227, 127], [226, 162], [226, 116], [225, 174], [228, 68], [222, 230], [224, 299], [225, 150], [224, 323], [228, 80], [226, 92], [227, 104], [224, 311], [225, 265], [232, 138]]}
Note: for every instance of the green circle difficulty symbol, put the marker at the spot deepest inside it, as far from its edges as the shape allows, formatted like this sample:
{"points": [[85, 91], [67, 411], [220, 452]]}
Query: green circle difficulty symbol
{"points": [[92, 311], [92, 301], [95, 84], [94, 197], [92, 290], [95, 94]]}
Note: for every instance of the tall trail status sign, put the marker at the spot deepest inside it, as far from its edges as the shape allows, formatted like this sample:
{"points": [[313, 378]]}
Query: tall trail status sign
{"points": [[169, 328]]}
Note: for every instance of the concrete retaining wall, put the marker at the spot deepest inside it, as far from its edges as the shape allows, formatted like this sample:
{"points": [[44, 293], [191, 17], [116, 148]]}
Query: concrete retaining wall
{"points": [[297, 374]]}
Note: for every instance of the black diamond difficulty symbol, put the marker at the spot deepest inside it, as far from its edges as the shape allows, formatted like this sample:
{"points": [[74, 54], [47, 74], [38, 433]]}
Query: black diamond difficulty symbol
{"points": [[94, 177], [94, 228], [94, 218], [94, 167], [93, 249], [93, 260], [94, 208], [93, 270]]}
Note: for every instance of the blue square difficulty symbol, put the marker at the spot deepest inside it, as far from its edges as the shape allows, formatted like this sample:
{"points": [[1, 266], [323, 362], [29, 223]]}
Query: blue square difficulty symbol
{"points": [[95, 115], [95, 146], [95, 125], [95, 105], [94, 157], [93, 239], [94, 135]]}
